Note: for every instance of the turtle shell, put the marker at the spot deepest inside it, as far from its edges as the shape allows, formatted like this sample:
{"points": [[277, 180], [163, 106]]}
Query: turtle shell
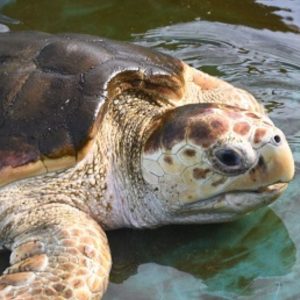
{"points": [[52, 88]]}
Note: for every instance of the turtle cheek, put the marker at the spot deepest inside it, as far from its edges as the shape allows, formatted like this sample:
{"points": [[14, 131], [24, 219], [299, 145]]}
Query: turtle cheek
{"points": [[177, 176], [201, 184]]}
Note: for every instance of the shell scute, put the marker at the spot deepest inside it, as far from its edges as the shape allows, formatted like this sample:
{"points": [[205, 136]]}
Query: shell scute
{"points": [[74, 57], [52, 88]]}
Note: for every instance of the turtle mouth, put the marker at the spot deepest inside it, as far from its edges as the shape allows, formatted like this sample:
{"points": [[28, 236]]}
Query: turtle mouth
{"points": [[276, 187], [236, 203]]}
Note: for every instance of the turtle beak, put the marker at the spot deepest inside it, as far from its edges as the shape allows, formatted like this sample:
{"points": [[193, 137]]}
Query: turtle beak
{"points": [[275, 165], [279, 161]]}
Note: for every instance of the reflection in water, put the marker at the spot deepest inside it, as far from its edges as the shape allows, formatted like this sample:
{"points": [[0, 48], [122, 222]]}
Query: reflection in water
{"points": [[289, 10], [224, 257], [116, 20], [264, 62], [5, 19]]}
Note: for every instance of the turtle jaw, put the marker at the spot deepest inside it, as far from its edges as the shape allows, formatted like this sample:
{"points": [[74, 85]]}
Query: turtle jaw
{"points": [[229, 206]]}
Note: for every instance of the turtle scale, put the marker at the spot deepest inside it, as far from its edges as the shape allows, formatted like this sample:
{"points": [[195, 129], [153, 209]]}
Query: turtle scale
{"points": [[52, 89]]}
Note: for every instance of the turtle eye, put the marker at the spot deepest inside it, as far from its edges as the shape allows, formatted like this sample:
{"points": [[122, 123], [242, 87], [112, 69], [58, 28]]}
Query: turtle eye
{"points": [[230, 161], [229, 157]]}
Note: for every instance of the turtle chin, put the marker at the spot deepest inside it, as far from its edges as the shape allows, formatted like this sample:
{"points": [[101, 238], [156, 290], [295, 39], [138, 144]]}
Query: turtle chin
{"points": [[229, 206]]}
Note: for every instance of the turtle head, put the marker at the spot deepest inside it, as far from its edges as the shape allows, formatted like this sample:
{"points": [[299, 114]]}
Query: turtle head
{"points": [[213, 163]]}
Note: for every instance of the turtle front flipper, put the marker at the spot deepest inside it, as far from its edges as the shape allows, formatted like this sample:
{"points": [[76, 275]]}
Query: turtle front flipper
{"points": [[58, 252]]}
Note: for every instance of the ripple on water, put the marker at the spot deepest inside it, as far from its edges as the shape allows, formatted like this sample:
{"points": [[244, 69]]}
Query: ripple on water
{"points": [[5, 20], [255, 59]]}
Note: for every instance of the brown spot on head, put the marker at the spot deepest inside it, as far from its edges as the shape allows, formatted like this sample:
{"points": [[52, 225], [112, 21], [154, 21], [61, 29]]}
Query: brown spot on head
{"points": [[259, 134], [241, 128], [189, 152], [216, 124], [200, 173], [168, 159], [171, 128], [233, 114], [205, 134], [219, 126], [174, 129], [252, 115], [201, 134], [174, 137]]}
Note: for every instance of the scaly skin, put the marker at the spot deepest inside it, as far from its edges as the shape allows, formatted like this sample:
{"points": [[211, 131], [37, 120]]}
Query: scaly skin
{"points": [[53, 258], [52, 223], [59, 251]]}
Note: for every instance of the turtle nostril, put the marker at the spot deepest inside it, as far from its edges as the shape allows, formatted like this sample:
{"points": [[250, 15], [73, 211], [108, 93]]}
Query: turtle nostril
{"points": [[229, 157], [277, 139]]}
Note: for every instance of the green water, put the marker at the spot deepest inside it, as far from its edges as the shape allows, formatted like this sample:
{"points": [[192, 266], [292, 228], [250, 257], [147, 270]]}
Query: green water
{"points": [[253, 44]]}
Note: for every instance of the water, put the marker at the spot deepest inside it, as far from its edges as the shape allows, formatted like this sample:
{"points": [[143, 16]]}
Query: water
{"points": [[253, 44]]}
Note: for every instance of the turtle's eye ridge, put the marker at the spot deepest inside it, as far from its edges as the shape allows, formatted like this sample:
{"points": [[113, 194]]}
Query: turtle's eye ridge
{"points": [[229, 157]]}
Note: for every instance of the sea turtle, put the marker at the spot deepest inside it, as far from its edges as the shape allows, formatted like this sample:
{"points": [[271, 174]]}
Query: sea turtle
{"points": [[97, 134]]}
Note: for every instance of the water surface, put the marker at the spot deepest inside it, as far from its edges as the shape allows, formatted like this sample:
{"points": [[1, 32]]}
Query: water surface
{"points": [[252, 44]]}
